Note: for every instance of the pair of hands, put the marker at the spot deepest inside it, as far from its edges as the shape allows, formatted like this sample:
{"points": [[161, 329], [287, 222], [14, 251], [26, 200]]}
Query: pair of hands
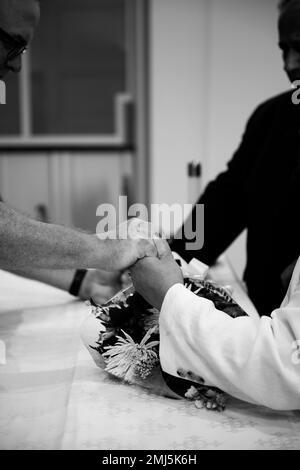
{"points": [[153, 276], [129, 242], [136, 245]]}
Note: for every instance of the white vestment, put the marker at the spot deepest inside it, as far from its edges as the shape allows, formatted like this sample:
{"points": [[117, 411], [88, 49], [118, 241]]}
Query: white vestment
{"points": [[254, 360]]}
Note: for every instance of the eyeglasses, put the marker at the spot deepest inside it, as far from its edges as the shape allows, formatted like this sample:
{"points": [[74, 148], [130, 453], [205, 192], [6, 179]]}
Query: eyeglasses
{"points": [[14, 46]]}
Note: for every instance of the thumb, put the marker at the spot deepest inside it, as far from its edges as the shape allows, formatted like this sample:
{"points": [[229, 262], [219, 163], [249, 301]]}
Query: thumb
{"points": [[162, 246]]}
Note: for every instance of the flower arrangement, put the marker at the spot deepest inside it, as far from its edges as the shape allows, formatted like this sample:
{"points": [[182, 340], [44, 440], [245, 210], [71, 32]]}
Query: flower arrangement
{"points": [[127, 344]]}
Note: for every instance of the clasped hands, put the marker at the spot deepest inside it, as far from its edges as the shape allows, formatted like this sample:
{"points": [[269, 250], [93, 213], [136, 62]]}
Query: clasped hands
{"points": [[137, 247]]}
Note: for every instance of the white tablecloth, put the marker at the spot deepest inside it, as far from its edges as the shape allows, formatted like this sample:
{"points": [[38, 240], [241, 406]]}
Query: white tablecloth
{"points": [[52, 396]]}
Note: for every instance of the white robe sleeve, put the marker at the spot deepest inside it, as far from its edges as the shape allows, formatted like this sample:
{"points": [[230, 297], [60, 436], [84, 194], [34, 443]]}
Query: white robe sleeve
{"points": [[257, 361]]}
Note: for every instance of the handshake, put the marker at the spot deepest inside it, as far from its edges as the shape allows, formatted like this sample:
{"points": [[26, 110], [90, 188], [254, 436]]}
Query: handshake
{"points": [[135, 246]]}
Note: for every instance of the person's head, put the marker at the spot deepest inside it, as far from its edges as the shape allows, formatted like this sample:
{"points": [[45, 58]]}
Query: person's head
{"points": [[289, 37], [18, 19]]}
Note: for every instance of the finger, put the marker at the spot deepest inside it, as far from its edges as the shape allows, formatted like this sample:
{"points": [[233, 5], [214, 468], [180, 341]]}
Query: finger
{"points": [[126, 279], [147, 248], [157, 231], [162, 247], [102, 294], [144, 229], [149, 231], [138, 228]]}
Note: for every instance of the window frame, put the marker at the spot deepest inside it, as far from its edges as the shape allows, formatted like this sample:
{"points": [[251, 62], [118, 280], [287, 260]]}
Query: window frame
{"points": [[120, 140]]}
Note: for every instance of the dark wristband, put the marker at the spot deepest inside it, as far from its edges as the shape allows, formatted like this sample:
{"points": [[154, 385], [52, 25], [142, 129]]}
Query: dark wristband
{"points": [[77, 282]]}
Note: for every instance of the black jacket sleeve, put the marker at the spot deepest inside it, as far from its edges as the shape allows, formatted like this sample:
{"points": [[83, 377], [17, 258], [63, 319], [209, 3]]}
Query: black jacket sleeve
{"points": [[225, 199]]}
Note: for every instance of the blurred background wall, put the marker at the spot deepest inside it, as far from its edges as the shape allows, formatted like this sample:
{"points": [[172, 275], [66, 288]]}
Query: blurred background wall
{"points": [[192, 71]]}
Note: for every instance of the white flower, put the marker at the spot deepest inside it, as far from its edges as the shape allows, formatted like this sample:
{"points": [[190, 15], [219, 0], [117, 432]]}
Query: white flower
{"points": [[126, 358]]}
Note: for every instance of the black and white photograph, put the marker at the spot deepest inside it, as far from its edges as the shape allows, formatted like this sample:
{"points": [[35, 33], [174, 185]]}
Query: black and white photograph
{"points": [[149, 236]]}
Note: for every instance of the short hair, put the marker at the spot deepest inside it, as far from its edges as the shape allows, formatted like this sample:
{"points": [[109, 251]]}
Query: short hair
{"points": [[283, 4]]}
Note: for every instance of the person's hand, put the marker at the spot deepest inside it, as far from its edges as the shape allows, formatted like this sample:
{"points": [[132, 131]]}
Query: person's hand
{"points": [[153, 277], [100, 286], [128, 243]]}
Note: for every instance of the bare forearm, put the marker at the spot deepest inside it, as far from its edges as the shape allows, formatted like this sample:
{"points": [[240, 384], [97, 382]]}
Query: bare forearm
{"points": [[25, 242]]}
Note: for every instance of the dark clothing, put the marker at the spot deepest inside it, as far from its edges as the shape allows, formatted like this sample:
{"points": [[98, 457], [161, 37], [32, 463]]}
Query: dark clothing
{"points": [[259, 191]]}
